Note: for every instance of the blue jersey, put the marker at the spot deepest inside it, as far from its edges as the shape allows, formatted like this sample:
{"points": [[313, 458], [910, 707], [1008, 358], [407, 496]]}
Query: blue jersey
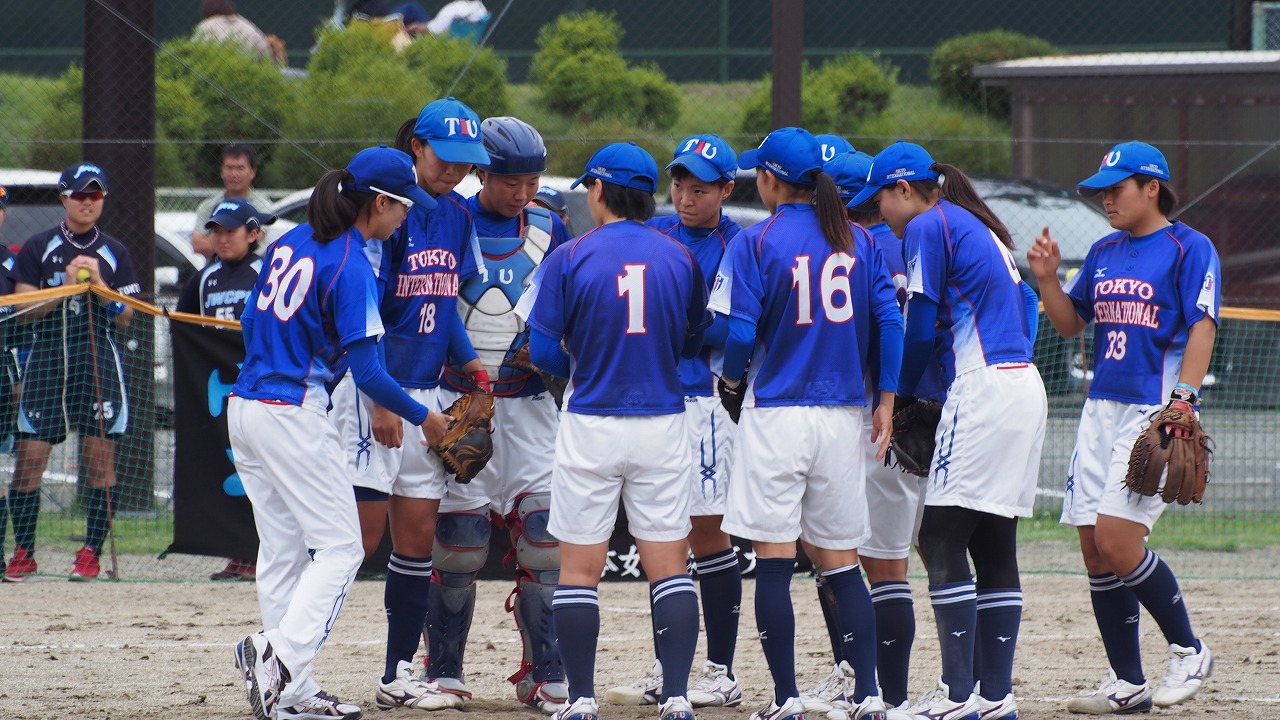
{"points": [[623, 297], [957, 262], [698, 375], [430, 256], [812, 307], [1143, 294], [311, 301], [930, 386], [512, 249]]}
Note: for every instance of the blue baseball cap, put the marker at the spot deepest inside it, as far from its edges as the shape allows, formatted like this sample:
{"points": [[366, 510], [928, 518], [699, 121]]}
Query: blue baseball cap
{"points": [[706, 156], [387, 171], [833, 145], [80, 176], [849, 170], [900, 161], [1124, 161], [625, 164], [235, 213], [453, 131], [552, 199], [789, 152]]}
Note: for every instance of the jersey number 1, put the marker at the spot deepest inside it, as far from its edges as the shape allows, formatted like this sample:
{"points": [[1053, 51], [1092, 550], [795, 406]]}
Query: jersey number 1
{"points": [[286, 285], [631, 286], [830, 285]]}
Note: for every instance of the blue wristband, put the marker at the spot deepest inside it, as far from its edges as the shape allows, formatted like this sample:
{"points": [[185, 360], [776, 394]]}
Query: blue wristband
{"points": [[115, 308], [1187, 387]]}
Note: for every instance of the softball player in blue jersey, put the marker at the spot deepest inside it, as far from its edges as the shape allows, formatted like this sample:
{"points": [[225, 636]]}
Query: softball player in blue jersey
{"points": [[1152, 291], [426, 262], [312, 313], [515, 486], [702, 176], [801, 291], [73, 376], [894, 498], [961, 283], [628, 302]]}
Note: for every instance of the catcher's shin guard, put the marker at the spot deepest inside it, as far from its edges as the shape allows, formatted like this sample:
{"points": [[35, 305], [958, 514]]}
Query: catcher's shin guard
{"points": [[461, 548], [537, 572]]}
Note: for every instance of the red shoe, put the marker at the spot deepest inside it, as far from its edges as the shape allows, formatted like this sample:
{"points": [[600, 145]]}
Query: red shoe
{"points": [[22, 565], [86, 566], [248, 570], [237, 570]]}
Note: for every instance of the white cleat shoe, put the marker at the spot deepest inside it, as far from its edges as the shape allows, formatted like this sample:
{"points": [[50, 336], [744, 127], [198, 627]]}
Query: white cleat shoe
{"points": [[792, 708], [714, 687], [1006, 708], [1113, 696], [547, 697], [580, 709], [1188, 670], [408, 690], [938, 705], [264, 675], [899, 712], [872, 708], [321, 706], [644, 691], [829, 691], [676, 708]]}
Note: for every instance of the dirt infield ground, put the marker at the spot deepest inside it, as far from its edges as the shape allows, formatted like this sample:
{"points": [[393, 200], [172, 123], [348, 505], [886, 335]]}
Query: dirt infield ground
{"points": [[147, 651]]}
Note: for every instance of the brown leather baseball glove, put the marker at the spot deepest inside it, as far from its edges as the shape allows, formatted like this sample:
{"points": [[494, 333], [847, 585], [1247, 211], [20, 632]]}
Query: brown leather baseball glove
{"points": [[1176, 441], [467, 445]]}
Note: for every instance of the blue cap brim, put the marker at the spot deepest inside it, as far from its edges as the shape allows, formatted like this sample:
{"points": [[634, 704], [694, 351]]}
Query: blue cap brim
{"points": [[422, 199], [699, 166], [460, 152], [865, 195], [579, 181], [747, 160], [1102, 180]]}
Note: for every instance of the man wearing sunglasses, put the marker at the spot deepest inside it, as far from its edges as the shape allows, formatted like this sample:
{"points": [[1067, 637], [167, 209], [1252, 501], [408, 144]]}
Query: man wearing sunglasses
{"points": [[73, 379]]}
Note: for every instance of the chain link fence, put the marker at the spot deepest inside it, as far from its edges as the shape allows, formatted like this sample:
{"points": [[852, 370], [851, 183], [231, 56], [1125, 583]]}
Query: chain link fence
{"points": [[1027, 97]]}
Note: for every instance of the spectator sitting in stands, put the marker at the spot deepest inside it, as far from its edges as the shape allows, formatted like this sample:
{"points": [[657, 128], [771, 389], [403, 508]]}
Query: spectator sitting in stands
{"points": [[221, 24]]}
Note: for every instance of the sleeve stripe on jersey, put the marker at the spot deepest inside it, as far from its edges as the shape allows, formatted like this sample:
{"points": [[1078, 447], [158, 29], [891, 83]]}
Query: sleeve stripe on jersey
{"points": [[581, 237], [946, 228], [346, 252]]}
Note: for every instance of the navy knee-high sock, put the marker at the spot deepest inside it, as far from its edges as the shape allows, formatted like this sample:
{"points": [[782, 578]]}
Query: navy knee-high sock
{"points": [[675, 617], [575, 613], [999, 617], [1117, 612], [895, 633], [776, 621], [4, 521], [829, 617], [97, 519], [1157, 589], [405, 600], [857, 627], [956, 613], [720, 583], [24, 507]]}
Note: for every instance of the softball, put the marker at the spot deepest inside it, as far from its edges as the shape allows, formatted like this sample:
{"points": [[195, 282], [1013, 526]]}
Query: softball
{"points": [[83, 275]]}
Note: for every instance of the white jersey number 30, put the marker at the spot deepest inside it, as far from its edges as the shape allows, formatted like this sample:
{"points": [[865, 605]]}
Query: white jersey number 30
{"points": [[286, 286]]}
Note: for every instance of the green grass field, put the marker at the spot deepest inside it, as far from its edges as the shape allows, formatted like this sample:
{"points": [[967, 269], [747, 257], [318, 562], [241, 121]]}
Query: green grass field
{"points": [[1180, 529]]}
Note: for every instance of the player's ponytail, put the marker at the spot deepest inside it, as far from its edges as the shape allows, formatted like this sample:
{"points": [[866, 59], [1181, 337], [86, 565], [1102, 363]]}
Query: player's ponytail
{"points": [[404, 137], [958, 189], [333, 209], [831, 213]]}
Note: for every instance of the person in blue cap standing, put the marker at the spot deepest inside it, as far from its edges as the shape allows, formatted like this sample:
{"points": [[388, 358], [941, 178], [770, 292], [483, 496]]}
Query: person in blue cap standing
{"points": [[800, 290], [425, 262], [702, 173], [73, 376], [1152, 290], [627, 302], [313, 314], [962, 284]]}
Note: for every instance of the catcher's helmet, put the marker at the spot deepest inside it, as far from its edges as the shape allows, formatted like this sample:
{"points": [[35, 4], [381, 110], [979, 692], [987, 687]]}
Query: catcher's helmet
{"points": [[514, 147]]}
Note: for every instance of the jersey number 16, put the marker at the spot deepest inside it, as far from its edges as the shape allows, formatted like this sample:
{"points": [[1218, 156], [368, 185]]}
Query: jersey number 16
{"points": [[829, 286]]}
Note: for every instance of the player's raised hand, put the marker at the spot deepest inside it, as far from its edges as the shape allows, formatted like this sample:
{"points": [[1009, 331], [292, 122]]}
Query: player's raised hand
{"points": [[1044, 257], [435, 426], [388, 428]]}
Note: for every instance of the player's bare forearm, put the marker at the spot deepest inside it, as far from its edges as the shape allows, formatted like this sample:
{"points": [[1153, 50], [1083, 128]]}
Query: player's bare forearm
{"points": [[125, 318], [1061, 311], [1195, 361], [882, 424], [473, 366]]}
